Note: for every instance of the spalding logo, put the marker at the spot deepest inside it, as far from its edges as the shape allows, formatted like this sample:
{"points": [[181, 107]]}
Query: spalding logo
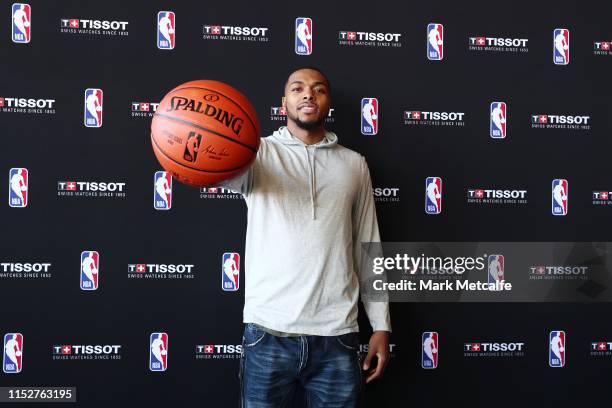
{"points": [[227, 119]]}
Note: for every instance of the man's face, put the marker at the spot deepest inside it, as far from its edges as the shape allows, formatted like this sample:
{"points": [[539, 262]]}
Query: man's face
{"points": [[307, 99]]}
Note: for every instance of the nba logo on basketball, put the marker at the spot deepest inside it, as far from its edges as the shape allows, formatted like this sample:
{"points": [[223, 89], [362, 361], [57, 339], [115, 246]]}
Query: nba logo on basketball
{"points": [[158, 355], [93, 107], [496, 268], [12, 358], [556, 348], [561, 48], [165, 30], [429, 352], [303, 36], [369, 116], [18, 187], [162, 191], [22, 21], [90, 270], [435, 41], [559, 196], [498, 120], [433, 195], [230, 275], [192, 146]]}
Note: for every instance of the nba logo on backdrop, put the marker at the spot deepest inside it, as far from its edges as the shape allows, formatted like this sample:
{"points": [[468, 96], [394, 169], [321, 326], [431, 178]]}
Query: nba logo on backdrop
{"points": [[559, 196], [556, 348], [369, 116], [158, 355], [90, 269], [498, 120], [162, 192], [18, 187], [303, 36], [496, 268], [12, 358], [230, 275], [429, 351], [22, 20], [433, 195], [165, 30], [561, 50], [435, 41], [93, 107]]}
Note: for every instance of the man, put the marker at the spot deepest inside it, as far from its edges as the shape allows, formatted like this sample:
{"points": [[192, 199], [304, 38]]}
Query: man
{"points": [[310, 206]]}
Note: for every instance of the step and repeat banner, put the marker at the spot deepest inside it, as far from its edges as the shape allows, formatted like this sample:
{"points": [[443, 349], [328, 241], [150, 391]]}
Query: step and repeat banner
{"points": [[481, 123]]}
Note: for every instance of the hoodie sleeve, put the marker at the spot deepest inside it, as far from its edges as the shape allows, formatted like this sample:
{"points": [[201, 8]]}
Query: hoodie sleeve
{"points": [[365, 229], [241, 184]]}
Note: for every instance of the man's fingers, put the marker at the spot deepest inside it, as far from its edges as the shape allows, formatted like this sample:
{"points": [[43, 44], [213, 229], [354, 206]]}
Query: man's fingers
{"points": [[368, 360]]}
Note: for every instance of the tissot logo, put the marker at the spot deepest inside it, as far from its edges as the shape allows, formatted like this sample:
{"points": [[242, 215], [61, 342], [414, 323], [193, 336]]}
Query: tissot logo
{"points": [[217, 351], [497, 44], [14, 104], [86, 352], [100, 189], [434, 118], [494, 349], [369, 39], [25, 270], [573, 122], [496, 196], [95, 27], [235, 33], [160, 271]]}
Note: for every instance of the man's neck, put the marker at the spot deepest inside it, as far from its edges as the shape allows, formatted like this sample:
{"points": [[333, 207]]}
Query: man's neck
{"points": [[309, 137]]}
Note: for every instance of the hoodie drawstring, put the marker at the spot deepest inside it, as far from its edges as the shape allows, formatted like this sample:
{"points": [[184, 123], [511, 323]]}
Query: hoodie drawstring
{"points": [[313, 185]]}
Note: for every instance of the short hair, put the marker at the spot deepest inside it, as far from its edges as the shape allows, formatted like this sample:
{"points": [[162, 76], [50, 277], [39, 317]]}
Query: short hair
{"points": [[311, 68]]}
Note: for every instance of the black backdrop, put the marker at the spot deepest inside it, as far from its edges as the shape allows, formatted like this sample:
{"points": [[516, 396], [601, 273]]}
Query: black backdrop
{"points": [[127, 230]]}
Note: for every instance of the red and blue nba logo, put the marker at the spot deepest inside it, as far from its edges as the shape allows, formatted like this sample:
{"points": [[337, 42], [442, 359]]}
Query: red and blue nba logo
{"points": [[18, 187], [369, 116], [561, 46], [162, 190], [230, 274], [556, 348], [429, 350], [90, 270], [158, 354], [93, 108], [496, 268], [22, 23], [435, 41], [166, 30], [12, 358], [433, 195], [499, 120], [560, 192], [303, 36]]}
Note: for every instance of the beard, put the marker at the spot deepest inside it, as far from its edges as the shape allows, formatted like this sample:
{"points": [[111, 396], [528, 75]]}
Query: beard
{"points": [[310, 125]]}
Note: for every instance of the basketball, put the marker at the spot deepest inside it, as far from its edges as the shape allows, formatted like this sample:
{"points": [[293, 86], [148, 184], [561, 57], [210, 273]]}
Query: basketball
{"points": [[204, 132]]}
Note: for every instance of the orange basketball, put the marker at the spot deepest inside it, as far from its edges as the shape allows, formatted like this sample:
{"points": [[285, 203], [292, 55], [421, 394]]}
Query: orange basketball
{"points": [[204, 132]]}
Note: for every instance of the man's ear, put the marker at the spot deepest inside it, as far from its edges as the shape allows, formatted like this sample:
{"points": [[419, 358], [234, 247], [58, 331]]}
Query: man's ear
{"points": [[283, 101]]}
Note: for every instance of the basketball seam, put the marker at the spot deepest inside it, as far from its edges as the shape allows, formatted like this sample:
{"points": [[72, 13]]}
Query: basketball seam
{"points": [[215, 91], [193, 168], [186, 122]]}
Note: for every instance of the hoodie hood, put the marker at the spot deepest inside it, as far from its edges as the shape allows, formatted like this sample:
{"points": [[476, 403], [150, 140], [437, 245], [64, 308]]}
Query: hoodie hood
{"points": [[329, 140], [285, 137]]}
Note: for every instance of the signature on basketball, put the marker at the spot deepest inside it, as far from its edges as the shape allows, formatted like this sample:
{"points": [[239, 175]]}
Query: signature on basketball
{"points": [[212, 153]]}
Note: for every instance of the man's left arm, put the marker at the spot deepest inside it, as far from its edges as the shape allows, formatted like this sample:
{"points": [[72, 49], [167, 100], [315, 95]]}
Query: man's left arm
{"points": [[365, 229]]}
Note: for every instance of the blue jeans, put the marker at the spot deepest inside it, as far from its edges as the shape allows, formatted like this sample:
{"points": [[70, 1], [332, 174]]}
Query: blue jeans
{"points": [[311, 371]]}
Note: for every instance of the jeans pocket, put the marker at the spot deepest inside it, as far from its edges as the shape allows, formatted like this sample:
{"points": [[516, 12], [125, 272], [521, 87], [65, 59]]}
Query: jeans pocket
{"points": [[349, 341], [253, 334]]}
